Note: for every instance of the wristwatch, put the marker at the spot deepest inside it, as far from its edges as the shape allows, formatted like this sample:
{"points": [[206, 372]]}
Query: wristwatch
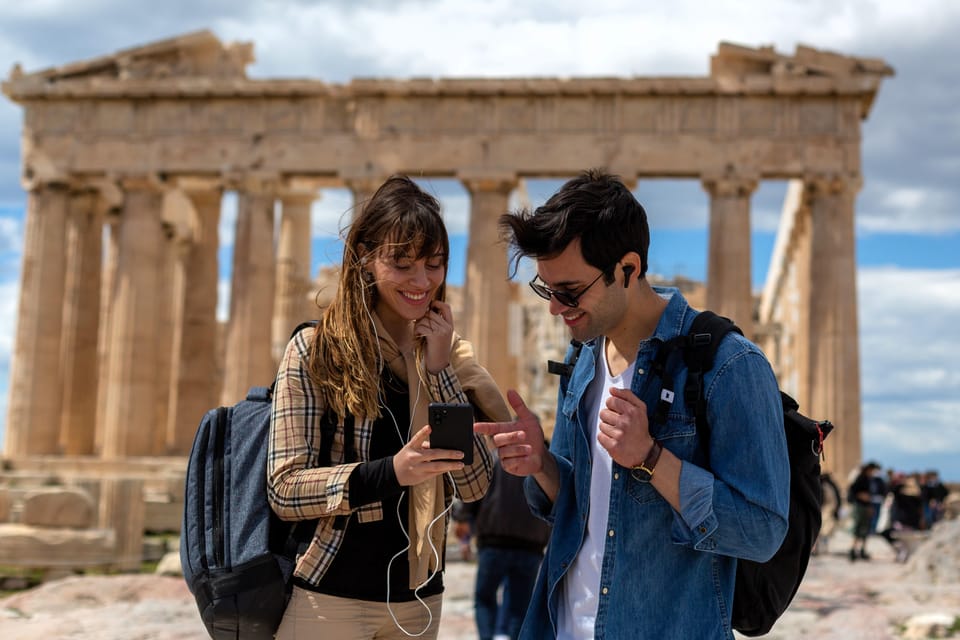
{"points": [[644, 470]]}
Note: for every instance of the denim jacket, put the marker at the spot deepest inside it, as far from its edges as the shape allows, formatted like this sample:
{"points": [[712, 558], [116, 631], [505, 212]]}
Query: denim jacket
{"points": [[668, 574]]}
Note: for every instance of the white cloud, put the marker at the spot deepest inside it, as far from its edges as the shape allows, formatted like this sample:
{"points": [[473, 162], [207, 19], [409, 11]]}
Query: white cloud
{"points": [[223, 299], [498, 37], [227, 229], [9, 298], [904, 208], [456, 213], [11, 235], [910, 363], [330, 213], [906, 198]]}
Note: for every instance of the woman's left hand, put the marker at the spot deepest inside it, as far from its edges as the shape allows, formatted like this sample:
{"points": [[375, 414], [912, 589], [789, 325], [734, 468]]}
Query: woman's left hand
{"points": [[436, 327]]}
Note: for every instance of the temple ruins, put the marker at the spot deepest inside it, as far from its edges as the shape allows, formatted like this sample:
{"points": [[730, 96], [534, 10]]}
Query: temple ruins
{"points": [[126, 159]]}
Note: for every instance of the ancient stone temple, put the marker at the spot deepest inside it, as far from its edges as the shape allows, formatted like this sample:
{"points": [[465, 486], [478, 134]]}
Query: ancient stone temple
{"points": [[126, 159]]}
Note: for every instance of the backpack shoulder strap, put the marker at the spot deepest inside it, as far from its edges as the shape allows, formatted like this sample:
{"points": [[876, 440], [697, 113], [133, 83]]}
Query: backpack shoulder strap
{"points": [[303, 325], [300, 327], [566, 367], [699, 349], [706, 332], [660, 368]]}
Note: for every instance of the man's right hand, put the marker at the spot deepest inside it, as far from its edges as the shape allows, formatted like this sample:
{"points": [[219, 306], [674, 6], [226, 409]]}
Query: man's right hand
{"points": [[520, 444]]}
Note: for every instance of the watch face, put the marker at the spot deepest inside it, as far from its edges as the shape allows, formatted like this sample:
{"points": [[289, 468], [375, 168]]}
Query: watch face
{"points": [[641, 473], [644, 471]]}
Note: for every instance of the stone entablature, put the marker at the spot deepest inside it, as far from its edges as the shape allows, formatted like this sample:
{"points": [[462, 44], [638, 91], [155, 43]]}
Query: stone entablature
{"points": [[773, 115]]}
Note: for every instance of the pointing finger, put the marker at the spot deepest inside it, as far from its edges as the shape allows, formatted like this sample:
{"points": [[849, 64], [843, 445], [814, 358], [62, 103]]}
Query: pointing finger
{"points": [[519, 406], [494, 428]]}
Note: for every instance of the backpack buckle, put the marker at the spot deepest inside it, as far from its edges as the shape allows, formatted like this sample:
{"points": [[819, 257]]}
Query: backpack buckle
{"points": [[701, 339]]}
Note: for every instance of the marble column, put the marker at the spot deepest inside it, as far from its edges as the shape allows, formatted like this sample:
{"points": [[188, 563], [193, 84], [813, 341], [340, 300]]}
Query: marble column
{"points": [[168, 269], [803, 302], [194, 375], [111, 253], [248, 345], [729, 291], [131, 379], [81, 324], [487, 290], [833, 328], [293, 269], [33, 417]]}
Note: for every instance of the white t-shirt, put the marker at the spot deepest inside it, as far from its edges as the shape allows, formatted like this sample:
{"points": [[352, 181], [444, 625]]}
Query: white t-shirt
{"points": [[581, 585]]}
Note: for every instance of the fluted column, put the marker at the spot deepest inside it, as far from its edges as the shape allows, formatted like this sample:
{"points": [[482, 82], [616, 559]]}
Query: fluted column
{"points": [[729, 290], [248, 346], [108, 276], [487, 292], [130, 419], [834, 342], [805, 302], [81, 324], [194, 378], [293, 269], [169, 262], [33, 417]]}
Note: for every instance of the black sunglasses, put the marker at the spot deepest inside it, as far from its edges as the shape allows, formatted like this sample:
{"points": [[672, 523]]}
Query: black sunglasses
{"points": [[566, 298]]}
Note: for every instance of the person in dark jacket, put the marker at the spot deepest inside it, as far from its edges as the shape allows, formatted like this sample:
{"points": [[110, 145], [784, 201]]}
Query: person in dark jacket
{"points": [[859, 495], [510, 542]]}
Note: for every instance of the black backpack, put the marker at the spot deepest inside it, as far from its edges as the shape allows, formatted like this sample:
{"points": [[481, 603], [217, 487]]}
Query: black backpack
{"points": [[237, 555], [763, 590]]}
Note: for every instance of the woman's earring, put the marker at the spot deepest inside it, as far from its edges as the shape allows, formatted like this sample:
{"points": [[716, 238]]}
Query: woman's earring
{"points": [[367, 276]]}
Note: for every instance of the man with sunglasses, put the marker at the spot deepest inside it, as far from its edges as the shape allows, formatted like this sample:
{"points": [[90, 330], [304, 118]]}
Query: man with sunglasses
{"points": [[646, 532]]}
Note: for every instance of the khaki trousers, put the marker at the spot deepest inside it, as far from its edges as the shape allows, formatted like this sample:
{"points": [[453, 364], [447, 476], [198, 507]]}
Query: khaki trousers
{"points": [[313, 615]]}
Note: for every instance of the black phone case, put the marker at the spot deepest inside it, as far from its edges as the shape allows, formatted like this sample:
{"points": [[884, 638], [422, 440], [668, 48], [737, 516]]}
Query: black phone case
{"points": [[451, 427]]}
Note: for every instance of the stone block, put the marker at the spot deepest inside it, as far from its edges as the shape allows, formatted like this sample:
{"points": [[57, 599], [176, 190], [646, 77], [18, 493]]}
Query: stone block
{"points": [[5, 504], [163, 517], [46, 547], [154, 549], [58, 507], [169, 565], [122, 509]]}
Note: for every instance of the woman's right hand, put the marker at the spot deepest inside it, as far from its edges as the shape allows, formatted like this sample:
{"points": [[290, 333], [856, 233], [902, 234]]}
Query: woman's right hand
{"points": [[417, 462]]}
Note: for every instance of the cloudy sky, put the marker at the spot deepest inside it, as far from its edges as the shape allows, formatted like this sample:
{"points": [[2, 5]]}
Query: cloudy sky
{"points": [[908, 213]]}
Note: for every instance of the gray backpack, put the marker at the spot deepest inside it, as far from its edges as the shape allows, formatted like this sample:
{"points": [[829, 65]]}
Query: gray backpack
{"points": [[237, 555]]}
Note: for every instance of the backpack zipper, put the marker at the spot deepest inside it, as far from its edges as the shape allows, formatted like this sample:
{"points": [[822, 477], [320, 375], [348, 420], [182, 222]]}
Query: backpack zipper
{"points": [[201, 460], [218, 485]]}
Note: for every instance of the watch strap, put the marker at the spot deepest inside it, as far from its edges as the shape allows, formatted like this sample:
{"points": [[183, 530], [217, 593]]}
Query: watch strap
{"points": [[644, 470]]}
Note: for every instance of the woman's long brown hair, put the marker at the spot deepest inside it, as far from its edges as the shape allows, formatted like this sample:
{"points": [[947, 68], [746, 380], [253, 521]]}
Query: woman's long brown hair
{"points": [[399, 220]]}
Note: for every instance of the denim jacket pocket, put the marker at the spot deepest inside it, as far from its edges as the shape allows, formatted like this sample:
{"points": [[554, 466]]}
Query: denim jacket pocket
{"points": [[679, 435]]}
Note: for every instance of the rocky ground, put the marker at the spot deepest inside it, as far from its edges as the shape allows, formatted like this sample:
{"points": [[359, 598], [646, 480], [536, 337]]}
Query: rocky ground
{"points": [[840, 600]]}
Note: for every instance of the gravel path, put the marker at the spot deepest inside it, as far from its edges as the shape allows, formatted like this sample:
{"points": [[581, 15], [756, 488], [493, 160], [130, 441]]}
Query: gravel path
{"points": [[839, 600]]}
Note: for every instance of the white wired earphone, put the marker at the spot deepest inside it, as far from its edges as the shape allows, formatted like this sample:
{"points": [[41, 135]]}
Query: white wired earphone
{"points": [[433, 548]]}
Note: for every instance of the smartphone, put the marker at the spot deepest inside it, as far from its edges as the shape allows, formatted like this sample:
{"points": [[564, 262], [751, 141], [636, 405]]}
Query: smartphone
{"points": [[451, 427]]}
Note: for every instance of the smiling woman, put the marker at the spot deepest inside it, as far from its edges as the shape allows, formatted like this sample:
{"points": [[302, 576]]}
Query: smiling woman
{"points": [[384, 348]]}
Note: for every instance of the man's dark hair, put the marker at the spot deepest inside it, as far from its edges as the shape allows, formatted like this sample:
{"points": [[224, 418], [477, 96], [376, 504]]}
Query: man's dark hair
{"points": [[595, 207]]}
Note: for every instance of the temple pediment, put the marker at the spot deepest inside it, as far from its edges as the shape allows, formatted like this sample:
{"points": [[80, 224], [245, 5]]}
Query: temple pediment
{"points": [[738, 60], [739, 69], [196, 54]]}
